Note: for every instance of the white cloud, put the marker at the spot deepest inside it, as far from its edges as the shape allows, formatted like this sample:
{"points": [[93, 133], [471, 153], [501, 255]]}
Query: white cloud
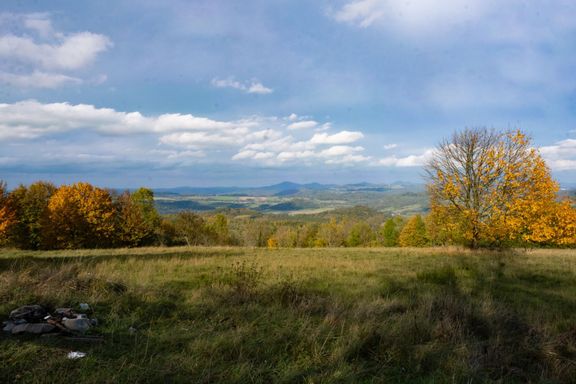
{"points": [[40, 23], [31, 119], [389, 146], [73, 52], [349, 159], [286, 149], [561, 156], [296, 155], [253, 155], [343, 137], [171, 154], [228, 83], [248, 87], [280, 144], [362, 13], [340, 150], [562, 164], [264, 135], [263, 156], [178, 122], [259, 88], [293, 117], [39, 62], [422, 16], [202, 139], [245, 154], [407, 161], [306, 124], [180, 137], [37, 79]]}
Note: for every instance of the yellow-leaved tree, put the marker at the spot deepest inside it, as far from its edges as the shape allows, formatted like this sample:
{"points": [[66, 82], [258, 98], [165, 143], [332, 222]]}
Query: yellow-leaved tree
{"points": [[413, 234], [79, 216], [490, 188]]}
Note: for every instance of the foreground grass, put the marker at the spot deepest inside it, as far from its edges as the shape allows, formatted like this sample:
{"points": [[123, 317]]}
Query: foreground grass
{"points": [[240, 315]]}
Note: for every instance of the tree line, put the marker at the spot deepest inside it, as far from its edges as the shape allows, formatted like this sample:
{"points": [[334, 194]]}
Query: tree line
{"points": [[43, 216], [487, 189]]}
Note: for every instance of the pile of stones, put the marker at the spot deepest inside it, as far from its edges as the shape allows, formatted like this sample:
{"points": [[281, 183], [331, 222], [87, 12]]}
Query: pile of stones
{"points": [[35, 319]]}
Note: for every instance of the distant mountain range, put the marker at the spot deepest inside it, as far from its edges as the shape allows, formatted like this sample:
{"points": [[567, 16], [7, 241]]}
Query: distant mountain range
{"points": [[287, 188]]}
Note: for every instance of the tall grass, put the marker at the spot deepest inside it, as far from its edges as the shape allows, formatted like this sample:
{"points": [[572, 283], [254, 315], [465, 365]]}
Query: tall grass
{"points": [[300, 315]]}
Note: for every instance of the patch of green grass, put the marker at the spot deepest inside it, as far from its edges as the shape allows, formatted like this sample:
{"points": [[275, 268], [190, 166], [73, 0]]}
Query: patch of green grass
{"points": [[442, 276], [236, 315]]}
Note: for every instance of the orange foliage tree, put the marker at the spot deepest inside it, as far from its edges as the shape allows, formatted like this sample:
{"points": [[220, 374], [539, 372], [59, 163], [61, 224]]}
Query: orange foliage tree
{"points": [[491, 188], [79, 216], [556, 227], [7, 214]]}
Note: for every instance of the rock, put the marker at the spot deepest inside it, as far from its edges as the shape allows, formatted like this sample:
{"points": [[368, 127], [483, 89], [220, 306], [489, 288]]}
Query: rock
{"points": [[29, 313], [64, 312], [80, 324], [34, 328], [8, 325]]}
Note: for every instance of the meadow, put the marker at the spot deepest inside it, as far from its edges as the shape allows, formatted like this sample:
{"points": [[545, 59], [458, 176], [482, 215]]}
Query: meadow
{"points": [[340, 315]]}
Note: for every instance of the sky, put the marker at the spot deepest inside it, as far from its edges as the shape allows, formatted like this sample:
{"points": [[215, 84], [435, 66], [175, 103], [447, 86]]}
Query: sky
{"points": [[255, 92]]}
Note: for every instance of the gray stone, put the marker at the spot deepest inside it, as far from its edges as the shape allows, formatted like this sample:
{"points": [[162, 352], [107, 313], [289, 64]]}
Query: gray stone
{"points": [[78, 325], [8, 325], [34, 328], [28, 313]]}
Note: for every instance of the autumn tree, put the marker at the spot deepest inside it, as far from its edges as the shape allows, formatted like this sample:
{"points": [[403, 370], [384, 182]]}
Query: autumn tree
{"points": [[218, 225], [256, 232], [30, 205], [167, 235], [360, 234], [191, 229], [389, 232], [285, 236], [487, 188], [307, 235], [143, 199], [556, 227], [413, 233], [331, 234], [7, 214], [79, 216], [137, 219]]}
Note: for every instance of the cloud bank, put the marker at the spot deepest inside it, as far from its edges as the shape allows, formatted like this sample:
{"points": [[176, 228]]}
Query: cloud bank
{"points": [[261, 140], [86, 132]]}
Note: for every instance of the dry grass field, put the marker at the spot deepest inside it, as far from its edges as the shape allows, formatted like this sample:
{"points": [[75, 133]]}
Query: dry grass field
{"points": [[243, 315]]}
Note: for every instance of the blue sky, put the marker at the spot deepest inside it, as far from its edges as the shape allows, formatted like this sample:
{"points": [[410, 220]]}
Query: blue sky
{"points": [[131, 93]]}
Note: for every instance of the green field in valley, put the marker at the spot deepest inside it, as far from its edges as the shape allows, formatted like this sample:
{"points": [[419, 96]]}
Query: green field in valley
{"points": [[244, 315]]}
